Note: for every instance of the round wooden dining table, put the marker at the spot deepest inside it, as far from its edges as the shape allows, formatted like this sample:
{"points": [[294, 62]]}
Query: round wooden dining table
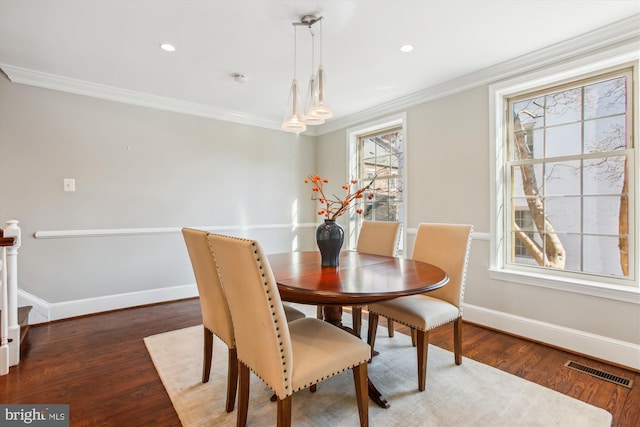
{"points": [[359, 279]]}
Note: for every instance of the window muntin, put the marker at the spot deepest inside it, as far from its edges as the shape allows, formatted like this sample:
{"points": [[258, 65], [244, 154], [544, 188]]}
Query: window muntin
{"points": [[569, 159]]}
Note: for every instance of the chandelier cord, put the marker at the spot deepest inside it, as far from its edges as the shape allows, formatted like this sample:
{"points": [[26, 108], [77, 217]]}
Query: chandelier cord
{"points": [[313, 50], [295, 50], [321, 42]]}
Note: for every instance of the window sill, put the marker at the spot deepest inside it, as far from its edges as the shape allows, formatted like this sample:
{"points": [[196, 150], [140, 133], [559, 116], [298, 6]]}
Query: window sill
{"points": [[598, 289]]}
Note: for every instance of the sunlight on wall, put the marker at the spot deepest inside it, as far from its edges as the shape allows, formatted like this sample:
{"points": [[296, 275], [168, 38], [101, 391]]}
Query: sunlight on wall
{"points": [[294, 225], [243, 221]]}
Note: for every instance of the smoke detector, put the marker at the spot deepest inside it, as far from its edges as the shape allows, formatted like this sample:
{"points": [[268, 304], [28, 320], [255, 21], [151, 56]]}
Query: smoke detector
{"points": [[240, 78]]}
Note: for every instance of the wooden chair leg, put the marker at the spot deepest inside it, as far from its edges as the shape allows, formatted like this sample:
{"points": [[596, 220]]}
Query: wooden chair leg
{"points": [[319, 313], [232, 379], [207, 354], [390, 325], [413, 337], [457, 340], [360, 380], [356, 315], [423, 349], [243, 394], [313, 388], [284, 412], [373, 327]]}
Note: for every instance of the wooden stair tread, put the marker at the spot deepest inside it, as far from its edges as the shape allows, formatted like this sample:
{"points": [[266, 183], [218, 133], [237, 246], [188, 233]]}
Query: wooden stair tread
{"points": [[23, 315], [23, 320]]}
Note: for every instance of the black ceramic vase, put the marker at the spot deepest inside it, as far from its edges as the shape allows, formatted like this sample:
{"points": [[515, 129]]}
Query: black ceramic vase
{"points": [[329, 237]]}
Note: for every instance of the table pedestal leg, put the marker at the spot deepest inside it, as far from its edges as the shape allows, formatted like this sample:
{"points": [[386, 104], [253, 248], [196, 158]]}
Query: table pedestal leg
{"points": [[333, 315]]}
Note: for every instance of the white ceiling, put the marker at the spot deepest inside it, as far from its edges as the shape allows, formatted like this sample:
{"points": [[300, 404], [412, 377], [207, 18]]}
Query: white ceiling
{"points": [[115, 44]]}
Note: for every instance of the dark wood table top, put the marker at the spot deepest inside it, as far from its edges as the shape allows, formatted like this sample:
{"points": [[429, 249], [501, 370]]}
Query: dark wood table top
{"points": [[359, 279]]}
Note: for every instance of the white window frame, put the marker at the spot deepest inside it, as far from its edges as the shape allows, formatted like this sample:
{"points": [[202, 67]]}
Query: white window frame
{"points": [[498, 94], [353, 134]]}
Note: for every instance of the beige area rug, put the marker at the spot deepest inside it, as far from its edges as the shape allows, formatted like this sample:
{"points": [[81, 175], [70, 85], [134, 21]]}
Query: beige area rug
{"points": [[471, 394]]}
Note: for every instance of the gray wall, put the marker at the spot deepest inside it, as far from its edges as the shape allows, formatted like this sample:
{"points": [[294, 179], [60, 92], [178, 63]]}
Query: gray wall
{"points": [[137, 168]]}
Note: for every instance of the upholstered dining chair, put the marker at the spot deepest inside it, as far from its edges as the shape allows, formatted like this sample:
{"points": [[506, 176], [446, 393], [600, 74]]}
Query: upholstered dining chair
{"points": [[446, 246], [375, 238], [216, 318], [288, 357]]}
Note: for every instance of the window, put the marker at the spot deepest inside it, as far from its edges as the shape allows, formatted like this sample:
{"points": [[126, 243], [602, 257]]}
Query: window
{"points": [[378, 153], [565, 202]]}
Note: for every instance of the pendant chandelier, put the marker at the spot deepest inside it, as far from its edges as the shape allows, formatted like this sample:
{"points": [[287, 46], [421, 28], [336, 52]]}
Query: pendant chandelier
{"points": [[314, 111]]}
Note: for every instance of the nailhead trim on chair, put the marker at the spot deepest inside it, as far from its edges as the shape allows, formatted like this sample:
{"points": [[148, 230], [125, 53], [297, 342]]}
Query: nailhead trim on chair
{"points": [[466, 263], [273, 314], [289, 391], [310, 384], [413, 327], [228, 345]]}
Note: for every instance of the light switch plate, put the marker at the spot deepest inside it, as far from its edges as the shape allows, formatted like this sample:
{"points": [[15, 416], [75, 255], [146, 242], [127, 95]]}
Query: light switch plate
{"points": [[69, 184]]}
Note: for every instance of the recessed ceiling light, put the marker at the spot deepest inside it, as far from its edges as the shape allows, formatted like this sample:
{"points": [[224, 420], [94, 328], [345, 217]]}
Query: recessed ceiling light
{"points": [[406, 48], [167, 47]]}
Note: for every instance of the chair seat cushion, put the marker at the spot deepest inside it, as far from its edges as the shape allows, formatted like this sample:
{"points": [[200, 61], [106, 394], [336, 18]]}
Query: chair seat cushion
{"points": [[321, 350], [418, 311]]}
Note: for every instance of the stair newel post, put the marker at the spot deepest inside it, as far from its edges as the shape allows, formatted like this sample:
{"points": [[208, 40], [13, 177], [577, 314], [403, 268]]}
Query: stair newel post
{"points": [[11, 267], [4, 341]]}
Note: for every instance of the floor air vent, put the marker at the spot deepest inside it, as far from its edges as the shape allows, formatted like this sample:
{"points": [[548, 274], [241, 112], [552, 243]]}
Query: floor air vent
{"points": [[600, 374]]}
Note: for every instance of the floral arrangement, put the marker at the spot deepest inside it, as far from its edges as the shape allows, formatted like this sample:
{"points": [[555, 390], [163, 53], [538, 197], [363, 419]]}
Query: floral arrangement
{"points": [[335, 207]]}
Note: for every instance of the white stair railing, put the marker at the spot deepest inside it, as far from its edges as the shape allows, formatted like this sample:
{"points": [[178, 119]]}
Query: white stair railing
{"points": [[10, 332], [4, 338]]}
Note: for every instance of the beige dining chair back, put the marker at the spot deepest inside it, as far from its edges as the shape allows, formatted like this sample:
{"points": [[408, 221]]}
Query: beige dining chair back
{"points": [[379, 238], [288, 357], [216, 318], [375, 238], [446, 246]]}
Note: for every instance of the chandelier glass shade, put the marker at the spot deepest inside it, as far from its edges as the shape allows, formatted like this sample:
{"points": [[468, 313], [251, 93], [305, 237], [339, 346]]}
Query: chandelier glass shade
{"points": [[294, 117], [318, 108], [314, 111], [310, 117]]}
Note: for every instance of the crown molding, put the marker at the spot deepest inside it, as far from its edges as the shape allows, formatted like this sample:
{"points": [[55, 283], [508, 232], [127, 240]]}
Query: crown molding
{"points": [[622, 33], [111, 93]]}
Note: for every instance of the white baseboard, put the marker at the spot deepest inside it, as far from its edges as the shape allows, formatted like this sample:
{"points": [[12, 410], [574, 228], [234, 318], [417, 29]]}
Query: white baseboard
{"points": [[597, 346], [44, 311]]}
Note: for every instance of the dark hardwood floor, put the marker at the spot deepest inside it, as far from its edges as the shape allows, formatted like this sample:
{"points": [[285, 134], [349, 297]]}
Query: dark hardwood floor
{"points": [[99, 366]]}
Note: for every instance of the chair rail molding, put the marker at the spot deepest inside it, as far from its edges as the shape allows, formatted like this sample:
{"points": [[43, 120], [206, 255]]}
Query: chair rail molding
{"points": [[103, 232]]}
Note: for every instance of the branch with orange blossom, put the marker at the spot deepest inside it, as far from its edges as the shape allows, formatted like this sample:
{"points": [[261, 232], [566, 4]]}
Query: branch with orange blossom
{"points": [[337, 206]]}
